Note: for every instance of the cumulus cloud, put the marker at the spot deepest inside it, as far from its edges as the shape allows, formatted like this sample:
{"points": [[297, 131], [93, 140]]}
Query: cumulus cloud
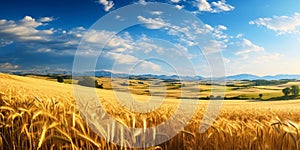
{"points": [[213, 46], [143, 2], [44, 50], [99, 37], [179, 6], [221, 6], [8, 66], [181, 47], [147, 46], [152, 23], [175, 1], [23, 30], [107, 4], [3, 42], [150, 65], [156, 12], [248, 47], [77, 32], [267, 58], [46, 19], [28, 21], [203, 5], [121, 58], [47, 46], [222, 27], [280, 24], [188, 33], [214, 7]]}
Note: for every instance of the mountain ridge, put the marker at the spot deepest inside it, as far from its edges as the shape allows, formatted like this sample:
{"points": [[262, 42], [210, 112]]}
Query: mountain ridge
{"points": [[105, 73], [233, 77]]}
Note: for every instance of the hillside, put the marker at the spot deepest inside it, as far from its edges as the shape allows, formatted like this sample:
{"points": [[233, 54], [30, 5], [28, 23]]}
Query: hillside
{"points": [[40, 114]]}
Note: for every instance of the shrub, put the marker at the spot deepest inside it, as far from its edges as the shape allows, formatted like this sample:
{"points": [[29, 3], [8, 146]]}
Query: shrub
{"points": [[60, 79], [100, 86], [88, 81], [295, 90], [286, 91]]}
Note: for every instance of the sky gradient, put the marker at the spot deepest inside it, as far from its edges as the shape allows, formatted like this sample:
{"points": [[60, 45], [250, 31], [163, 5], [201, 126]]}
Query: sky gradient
{"points": [[256, 37]]}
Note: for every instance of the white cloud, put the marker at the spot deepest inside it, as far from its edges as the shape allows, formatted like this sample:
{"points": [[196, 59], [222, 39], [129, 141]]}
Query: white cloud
{"points": [[214, 7], [203, 5], [267, 57], [28, 21], [120, 42], [118, 17], [187, 34], [126, 59], [4, 43], [188, 42], [78, 32], [222, 27], [143, 2], [179, 46], [152, 23], [32, 38], [221, 6], [248, 47], [175, 1], [213, 46], [179, 6], [280, 24], [262, 64], [99, 37], [218, 33], [128, 62], [120, 58], [50, 31], [46, 19], [239, 35], [107, 4], [44, 50], [8, 66], [156, 12], [150, 65], [23, 30], [226, 60]]}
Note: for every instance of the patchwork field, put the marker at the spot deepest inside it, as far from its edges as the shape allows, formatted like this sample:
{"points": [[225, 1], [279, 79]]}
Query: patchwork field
{"points": [[40, 114]]}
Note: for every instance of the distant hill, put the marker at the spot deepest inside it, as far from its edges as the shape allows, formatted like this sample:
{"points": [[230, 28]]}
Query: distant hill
{"points": [[175, 77], [254, 77], [142, 76], [281, 76], [104, 73], [243, 77]]}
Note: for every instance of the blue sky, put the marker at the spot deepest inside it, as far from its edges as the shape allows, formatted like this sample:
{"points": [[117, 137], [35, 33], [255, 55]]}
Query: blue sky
{"points": [[257, 37]]}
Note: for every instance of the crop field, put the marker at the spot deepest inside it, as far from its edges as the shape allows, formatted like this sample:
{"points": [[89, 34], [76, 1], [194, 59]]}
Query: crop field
{"points": [[40, 114]]}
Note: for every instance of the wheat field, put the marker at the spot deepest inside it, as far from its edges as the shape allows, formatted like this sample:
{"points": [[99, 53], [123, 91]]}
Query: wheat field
{"points": [[40, 114]]}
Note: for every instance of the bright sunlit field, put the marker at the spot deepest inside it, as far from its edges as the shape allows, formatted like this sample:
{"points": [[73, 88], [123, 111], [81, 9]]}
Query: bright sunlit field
{"points": [[41, 114]]}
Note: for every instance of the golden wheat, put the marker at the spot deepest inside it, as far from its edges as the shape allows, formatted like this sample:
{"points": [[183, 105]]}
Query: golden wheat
{"points": [[38, 114]]}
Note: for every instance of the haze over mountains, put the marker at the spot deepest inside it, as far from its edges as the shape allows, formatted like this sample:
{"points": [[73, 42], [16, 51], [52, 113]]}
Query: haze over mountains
{"points": [[104, 73], [234, 77], [269, 77]]}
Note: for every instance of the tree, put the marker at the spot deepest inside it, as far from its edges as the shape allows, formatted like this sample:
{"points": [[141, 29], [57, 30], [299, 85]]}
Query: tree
{"points": [[60, 79], [260, 96], [88, 81], [286, 91], [100, 86], [295, 90]]}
